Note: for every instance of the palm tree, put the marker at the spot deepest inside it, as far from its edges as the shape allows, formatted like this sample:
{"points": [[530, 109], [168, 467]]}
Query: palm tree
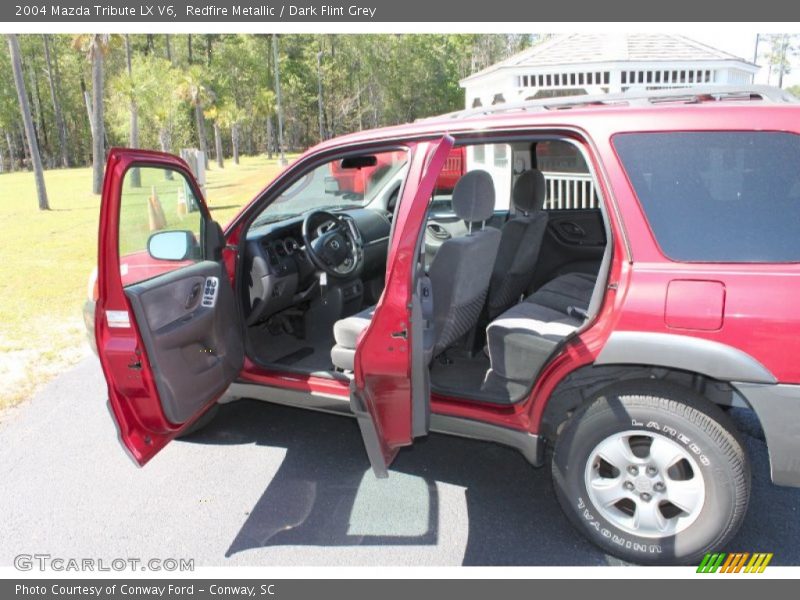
{"points": [[95, 47], [197, 94], [136, 178], [213, 113], [27, 119], [229, 116], [96, 50]]}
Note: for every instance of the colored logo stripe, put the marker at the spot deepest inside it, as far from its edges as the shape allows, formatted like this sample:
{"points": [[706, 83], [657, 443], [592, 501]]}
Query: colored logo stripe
{"points": [[733, 563], [758, 563]]}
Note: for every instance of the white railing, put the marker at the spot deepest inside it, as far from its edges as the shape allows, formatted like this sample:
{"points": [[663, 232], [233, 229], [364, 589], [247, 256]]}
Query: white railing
{"points": [[569, 191]]}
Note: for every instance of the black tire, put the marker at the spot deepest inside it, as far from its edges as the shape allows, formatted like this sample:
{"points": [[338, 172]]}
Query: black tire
{"points": [[201, 423], [691, 423]]}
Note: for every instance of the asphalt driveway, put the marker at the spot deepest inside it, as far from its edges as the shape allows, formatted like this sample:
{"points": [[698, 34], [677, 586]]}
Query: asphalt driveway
{"points": [[269, 485]]}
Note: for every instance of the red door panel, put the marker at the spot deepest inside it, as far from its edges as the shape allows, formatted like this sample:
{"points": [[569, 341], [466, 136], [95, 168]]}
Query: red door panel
{"points": [[382, 387], [167, 351]]}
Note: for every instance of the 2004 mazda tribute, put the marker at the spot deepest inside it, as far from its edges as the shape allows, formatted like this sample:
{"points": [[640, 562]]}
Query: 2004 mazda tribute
{"points": [[607, 276]]}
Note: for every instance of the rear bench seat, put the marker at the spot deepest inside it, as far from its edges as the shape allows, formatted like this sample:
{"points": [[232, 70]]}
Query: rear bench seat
{"points": [[522, 338]]}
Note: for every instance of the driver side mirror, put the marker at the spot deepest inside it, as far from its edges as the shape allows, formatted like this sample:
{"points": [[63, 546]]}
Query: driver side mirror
{"points": [[172, 245]]}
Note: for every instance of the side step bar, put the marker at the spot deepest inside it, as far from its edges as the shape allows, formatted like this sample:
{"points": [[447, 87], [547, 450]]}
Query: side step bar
{"points": [[529, 445]]}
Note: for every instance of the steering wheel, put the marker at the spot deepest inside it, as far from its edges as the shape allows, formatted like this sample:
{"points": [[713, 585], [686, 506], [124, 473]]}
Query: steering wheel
{"points": [[331, 244]]}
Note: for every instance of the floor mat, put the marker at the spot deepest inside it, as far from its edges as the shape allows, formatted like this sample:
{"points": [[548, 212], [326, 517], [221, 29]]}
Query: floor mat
{"points": [[287, 350], [461, 373], [295, 356]]}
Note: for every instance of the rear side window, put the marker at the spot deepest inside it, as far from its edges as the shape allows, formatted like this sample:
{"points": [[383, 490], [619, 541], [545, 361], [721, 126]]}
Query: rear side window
{"points": [[718, 196]]}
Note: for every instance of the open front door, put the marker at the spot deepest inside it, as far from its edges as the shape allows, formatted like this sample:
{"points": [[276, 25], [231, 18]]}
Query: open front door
{"points": [[390, 392], [166, 323]]}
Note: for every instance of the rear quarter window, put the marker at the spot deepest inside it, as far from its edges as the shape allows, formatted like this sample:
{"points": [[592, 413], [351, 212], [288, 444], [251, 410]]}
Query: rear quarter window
{"points": [[718, 196]]}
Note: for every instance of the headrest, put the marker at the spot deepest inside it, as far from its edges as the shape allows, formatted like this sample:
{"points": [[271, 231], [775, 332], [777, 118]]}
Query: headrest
{"points": [[473, 196], [529, 191]]}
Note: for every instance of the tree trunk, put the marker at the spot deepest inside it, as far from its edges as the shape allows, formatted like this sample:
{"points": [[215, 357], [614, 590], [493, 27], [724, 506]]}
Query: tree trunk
{"points": [[87, 99], [201, 130], [269, 138], [218, 146], [41, 129], [133, 140], [62, 129], [189, 46], [27, 119], [169, 48], [98, 139], [2, 161], [57, 76], [26, 154], [235, 142], [12, 155], [782, 63], [276, 59], [163, 141]]}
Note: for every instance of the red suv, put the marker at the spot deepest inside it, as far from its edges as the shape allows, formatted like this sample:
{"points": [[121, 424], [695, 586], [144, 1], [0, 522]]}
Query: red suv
{"points": [[607, 277]]}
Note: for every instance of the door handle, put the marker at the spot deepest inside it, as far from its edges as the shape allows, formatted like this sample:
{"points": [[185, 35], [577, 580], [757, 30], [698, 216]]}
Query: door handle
{"points": [[438, 231], [402, 334], [573, 229], [191, 299]]}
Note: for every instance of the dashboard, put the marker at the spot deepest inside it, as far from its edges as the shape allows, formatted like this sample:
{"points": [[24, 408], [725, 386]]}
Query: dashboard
{"points": [[280, 274]]}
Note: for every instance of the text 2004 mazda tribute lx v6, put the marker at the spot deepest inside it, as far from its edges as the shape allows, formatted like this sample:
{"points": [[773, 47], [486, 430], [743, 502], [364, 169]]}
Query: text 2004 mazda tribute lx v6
{"points": [[605, 279]]}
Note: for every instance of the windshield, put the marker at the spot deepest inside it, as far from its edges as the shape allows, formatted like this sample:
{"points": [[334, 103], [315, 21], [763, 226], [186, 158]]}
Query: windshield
{"points": [[352, 182]]}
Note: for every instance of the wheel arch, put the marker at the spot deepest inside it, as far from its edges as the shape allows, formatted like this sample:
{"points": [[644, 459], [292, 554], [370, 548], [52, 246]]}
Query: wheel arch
{"points": [[583, 385], [685, 353]]}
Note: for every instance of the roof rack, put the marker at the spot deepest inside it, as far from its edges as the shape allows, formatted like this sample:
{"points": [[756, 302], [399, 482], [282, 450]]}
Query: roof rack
{"points": [[637, 97]]}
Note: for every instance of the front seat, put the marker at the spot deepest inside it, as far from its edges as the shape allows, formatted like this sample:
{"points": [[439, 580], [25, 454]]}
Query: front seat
{"points": [[459, 274], [462, 267], [520, 242]]}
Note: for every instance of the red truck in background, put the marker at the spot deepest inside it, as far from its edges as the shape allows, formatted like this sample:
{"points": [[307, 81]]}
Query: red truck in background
{"points": [[357, 181]]}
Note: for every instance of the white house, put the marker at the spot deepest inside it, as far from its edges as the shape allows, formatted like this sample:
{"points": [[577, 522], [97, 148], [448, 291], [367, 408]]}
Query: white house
{"points": [[585, 63], [591, 63]]}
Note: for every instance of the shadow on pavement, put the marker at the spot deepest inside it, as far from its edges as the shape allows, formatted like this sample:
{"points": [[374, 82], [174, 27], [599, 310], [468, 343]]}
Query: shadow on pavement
{"points": [[325, 495]]}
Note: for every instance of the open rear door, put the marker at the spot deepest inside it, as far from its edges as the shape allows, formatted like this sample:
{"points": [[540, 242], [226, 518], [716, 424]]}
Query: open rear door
{"points": [[390, 392], [166, 323]]}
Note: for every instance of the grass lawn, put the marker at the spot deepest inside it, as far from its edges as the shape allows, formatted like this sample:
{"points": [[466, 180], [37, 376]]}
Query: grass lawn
{"points": [[46, 258]]}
